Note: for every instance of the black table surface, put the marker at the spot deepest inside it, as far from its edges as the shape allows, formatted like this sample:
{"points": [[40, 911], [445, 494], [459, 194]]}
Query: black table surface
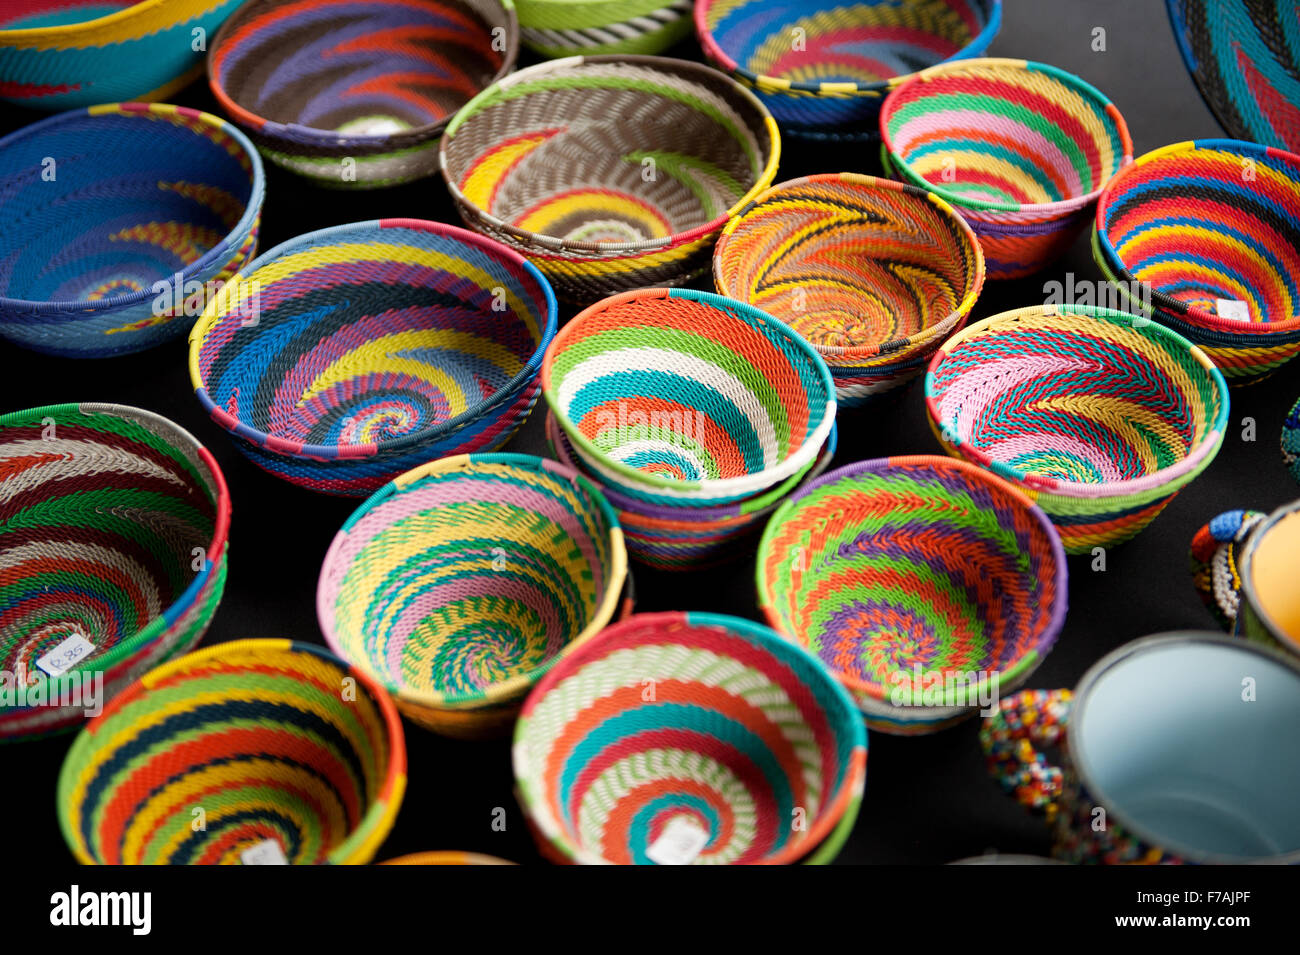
{"points": [[928, 799]]}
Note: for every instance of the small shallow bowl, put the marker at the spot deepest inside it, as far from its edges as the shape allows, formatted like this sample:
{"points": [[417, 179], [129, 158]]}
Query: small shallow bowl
{"points": [[554, 28]]}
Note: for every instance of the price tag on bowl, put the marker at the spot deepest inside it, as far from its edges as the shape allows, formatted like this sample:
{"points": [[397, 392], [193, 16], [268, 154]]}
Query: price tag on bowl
{"points": [[266, 852], [1232, 308], [66, 655], [680, 843]]}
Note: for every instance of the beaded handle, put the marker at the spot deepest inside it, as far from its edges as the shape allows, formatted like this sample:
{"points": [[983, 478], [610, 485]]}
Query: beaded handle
{"points": [[1012, 739], [1213, 563]]}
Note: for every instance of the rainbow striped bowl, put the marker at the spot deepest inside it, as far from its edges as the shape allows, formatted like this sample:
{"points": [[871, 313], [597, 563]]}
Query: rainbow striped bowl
{"points": [[357, 93], [1205, 237], [874, 273], [243, 752], [678, 738], [123, 220], [926, 585], [457, 585], [53, 58], [556, 28], [1100, 416], [1022, 150], [823, 67], [113, 531], [346, 356]]}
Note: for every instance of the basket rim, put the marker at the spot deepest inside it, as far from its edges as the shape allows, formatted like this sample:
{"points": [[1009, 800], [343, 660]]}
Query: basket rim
{"points": [[740, 484], [70, 31], [505, 690], [297, 133], [773, 85], [1108, 258], [987, 206], [543, 245], [1197, 458], [838, 805], [892, 347], [286, 449], [373, 827], [1021, 668], [214, 256]]}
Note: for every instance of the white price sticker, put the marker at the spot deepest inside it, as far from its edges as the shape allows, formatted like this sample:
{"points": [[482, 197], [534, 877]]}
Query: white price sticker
{"points": [[66, 655], [679, 844], [1232, 308], [266, 852]]}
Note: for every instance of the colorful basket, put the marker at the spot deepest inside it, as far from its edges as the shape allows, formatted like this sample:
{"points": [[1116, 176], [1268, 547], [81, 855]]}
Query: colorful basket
{"points": [[1021, 150], [208, 759], [689, 395], [121, 221], [52, 58], [447, 858], [1291, 441], [1205, 236], [689, 738], [1101, 417], [926, 585], [556, 28], [113, 527], [357, 93], [457, 585], [346, 356], [1213, 562], [610, 173], [1245, 59], [823, 67], [873, 273]]}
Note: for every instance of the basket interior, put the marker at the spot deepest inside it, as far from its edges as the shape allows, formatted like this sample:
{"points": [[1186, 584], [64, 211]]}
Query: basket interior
{"points": [[96, 207], [366, 335], [470, 577], [360, 67], [103, 519], [58, 13]]}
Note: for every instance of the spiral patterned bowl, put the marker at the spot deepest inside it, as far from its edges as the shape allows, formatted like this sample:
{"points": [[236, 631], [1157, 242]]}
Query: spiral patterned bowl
{"points": [[923, 583], [872, 272], [556, 28], [823, 67], [458, 584], [357, 93], [1205, 236], [689, 738], [446, 858], [1100, 416], [610, 173], [117, 223], [688, 395], [222, 754], [1022, 150], [346, 356], [113, 529], [64, 54]]}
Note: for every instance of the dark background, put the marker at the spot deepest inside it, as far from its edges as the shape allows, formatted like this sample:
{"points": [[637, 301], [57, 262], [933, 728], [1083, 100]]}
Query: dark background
{"points": [[928, 799]]}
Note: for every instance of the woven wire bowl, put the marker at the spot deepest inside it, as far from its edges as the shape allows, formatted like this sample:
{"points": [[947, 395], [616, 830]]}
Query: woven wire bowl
{"points": [[610, 173], [446, 858], [357, 93], [1100, 416], [113, 526], [458, 585], [116, 223], [917, 581], [872, 272], [52, 58], [346, 356], [1291, 441], [1022, 150], [1198, 227], [555, 28], [267, 739], [690, 718]]}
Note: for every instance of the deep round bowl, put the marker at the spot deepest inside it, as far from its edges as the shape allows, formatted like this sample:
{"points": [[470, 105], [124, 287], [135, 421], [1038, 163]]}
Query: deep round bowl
{"points": [[346, 356], [113, 527], [223, 751], [610, 173], [673, 728], [925, 584], [1100, 416], [118, 223], [458, 584], [688, 394], [1020, 149], [823, 67], [357, 93], [874, 273], [554, 28], [1205, 236]]}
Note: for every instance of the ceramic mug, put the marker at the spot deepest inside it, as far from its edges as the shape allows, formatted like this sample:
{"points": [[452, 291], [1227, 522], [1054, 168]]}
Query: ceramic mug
{"points": [[1176, 748]]}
